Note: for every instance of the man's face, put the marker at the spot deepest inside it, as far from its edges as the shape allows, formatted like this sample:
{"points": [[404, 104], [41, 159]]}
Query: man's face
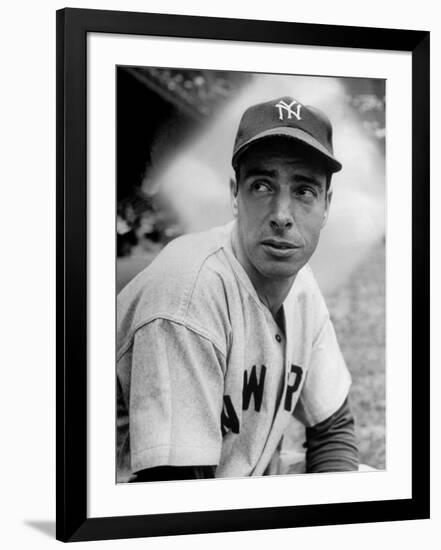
{"points": [[281, 206]]}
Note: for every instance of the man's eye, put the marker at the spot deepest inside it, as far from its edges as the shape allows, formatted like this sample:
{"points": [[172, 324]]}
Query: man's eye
{"points": [[260, 187], [307, 192]]}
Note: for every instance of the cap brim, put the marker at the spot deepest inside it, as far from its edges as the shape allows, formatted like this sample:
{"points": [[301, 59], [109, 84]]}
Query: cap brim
{"points": [[293, 133]]}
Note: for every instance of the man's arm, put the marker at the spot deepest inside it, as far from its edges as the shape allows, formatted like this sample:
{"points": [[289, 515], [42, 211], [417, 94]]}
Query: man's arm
{"points": [[331, 444], [174, 402], [323, 404]]}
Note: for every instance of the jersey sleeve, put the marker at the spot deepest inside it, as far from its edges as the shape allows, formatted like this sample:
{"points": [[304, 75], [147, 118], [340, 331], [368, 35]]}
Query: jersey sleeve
{"points": [[327, 380], [175, 402]]}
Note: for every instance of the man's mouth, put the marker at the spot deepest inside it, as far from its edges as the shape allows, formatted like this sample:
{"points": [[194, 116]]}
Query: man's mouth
{"points": [[279, 248], [279, 244]]}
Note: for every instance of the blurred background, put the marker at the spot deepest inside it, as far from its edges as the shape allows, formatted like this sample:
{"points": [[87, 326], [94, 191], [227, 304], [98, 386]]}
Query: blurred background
{"points": [[175, 133]]}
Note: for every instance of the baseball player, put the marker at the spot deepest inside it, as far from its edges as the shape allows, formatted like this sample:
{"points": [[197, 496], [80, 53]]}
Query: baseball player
{"points": [[225, 336]]}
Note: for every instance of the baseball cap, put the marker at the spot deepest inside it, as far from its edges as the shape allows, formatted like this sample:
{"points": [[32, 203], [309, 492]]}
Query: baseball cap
{"points": [[287, 117]]}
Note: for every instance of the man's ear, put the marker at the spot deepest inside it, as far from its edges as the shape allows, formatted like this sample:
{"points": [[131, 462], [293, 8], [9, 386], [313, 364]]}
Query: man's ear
{"points": [[328, 199], [233, 191]]}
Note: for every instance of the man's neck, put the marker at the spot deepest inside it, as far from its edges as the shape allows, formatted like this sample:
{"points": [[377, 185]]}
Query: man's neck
{"points": [[271, 294]]}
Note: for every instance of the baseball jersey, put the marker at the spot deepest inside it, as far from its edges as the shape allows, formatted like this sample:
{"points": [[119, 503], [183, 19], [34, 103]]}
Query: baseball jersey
{"points": [[205, 376]]}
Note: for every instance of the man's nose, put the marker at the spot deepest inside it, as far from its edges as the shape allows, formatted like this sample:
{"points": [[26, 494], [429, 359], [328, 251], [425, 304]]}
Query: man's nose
{"points": [[282, 217]]}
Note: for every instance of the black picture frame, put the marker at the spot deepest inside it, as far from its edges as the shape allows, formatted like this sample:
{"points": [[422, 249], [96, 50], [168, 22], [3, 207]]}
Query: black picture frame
{"points": [[72, 523]]}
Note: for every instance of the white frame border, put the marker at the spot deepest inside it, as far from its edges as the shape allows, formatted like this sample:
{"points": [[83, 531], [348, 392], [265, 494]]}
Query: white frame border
{"points": [[105, 498]]}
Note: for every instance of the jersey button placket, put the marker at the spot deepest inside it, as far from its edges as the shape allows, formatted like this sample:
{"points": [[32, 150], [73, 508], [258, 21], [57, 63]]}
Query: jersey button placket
{"points": [[278, 338]]}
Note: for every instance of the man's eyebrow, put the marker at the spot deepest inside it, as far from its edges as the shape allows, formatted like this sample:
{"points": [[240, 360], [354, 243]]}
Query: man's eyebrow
{"points": [[303, 178], [298, 178], [256, 171]]}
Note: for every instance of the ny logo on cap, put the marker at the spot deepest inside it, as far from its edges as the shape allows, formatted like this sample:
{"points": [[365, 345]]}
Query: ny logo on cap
{"points": [[285, 108]]}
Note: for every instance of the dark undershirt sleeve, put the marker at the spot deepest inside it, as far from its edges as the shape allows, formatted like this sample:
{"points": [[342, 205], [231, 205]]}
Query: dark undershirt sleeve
{"points": [[331, 444], [174, 473]]}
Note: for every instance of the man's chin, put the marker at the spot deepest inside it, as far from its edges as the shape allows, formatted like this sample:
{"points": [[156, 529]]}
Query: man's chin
{"points": [[280, 271]]}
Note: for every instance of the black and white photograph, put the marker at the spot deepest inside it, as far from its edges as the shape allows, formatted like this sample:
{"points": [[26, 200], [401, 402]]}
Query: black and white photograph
{"points": [[250, 274]]}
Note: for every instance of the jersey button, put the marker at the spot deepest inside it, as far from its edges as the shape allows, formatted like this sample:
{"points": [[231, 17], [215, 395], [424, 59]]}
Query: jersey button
{"points": [[278, 338]]}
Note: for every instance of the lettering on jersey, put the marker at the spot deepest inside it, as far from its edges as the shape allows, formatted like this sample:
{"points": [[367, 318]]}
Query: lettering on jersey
{"points": [[292, 385], [229, 420], [253, 387]]}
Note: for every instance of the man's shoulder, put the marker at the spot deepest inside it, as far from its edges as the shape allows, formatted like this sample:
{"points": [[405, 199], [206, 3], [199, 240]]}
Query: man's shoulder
{"points": [[179, 263], [191, 269]]}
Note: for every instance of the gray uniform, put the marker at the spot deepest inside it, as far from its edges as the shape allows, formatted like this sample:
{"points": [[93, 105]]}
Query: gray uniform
{"points": [[205, 375]]}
